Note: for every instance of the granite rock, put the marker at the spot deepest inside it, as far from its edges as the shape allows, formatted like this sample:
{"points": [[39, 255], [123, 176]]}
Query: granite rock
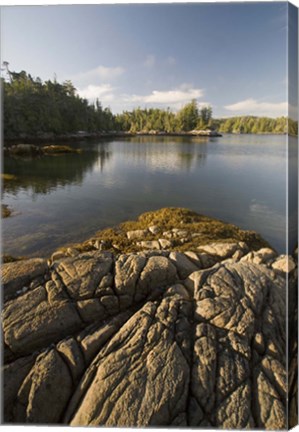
{"points": [[148, 339]]}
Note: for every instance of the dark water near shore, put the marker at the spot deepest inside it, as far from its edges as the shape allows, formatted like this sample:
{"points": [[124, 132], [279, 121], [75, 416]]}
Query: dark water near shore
{"points": [[62, 199]]}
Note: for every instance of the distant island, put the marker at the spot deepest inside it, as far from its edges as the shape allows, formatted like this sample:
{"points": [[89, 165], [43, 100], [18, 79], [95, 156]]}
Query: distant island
{"points": [[37, 110]]}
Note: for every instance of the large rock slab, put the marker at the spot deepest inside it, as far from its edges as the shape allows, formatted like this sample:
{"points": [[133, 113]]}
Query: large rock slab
{"points": [[222, 250], [233, 303], [82, 275], [49, 375], [149, 339], [146, 363], [183, 264], [31, 322], [17, 275]]}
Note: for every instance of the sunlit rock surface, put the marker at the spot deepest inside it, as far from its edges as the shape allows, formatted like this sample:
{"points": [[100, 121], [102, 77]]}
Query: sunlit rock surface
{"points": [[148, 338]]}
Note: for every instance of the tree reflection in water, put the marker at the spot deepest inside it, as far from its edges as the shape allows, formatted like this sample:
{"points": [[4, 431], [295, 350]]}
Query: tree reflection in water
{"points": [[168, 154], [41, 175]]}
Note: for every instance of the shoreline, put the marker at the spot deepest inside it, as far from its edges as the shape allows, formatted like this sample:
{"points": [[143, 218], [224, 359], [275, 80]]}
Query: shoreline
{"points": [[154, 229], [50, 137]]}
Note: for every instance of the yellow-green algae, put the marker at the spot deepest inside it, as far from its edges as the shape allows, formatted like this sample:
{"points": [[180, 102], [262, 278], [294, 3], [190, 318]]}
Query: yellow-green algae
{"points": [[59, 149], [8, 177], [209, 230]]}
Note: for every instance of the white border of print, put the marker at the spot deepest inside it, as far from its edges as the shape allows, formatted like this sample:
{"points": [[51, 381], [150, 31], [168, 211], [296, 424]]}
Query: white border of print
{"points": [[70, 2]]}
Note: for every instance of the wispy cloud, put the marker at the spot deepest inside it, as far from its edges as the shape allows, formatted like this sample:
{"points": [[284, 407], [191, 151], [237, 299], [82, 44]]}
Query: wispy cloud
{"points": [[171, 61], [182, 94], [104, 92], [254, 107], [98, 74], [173, 98], [150, 61]]}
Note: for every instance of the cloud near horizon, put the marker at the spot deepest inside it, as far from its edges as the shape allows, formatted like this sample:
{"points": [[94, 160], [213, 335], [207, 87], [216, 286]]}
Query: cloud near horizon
{"points": [[182, 94], [99, 73], [253, 107], [104, 92], [174, 98]]}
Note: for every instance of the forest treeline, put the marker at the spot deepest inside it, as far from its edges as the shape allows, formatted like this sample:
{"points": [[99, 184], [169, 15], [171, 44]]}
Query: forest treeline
{"points": [[33, 107], [255, 125]]}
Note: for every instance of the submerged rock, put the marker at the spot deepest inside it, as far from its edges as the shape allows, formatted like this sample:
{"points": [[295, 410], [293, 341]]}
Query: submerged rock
{"points": [[5, 211], [24, 150], [37, 150], [151, 338], [59, 149]]}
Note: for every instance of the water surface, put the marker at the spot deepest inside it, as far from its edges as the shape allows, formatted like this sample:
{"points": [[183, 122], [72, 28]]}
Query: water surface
{"points": [[62, 199]]}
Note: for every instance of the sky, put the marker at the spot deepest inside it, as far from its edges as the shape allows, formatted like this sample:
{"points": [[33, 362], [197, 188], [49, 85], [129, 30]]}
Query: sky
{"points": [[231, 56]]}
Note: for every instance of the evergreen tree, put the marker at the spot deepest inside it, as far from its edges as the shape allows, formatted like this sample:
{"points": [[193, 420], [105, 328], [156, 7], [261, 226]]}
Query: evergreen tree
{"points": [[33, 107], [188, 116]]}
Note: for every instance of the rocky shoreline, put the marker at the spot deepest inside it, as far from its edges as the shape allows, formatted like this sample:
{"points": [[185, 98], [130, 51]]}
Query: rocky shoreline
{"points": [[78, 136], [153, 327], [36, 150]]}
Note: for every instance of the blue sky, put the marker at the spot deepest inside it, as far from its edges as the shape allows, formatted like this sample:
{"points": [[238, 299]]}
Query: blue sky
{"points": [[231, 56]]}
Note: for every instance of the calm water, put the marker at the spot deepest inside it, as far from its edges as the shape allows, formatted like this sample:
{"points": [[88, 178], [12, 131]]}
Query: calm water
{"points": [[66, 198]]}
